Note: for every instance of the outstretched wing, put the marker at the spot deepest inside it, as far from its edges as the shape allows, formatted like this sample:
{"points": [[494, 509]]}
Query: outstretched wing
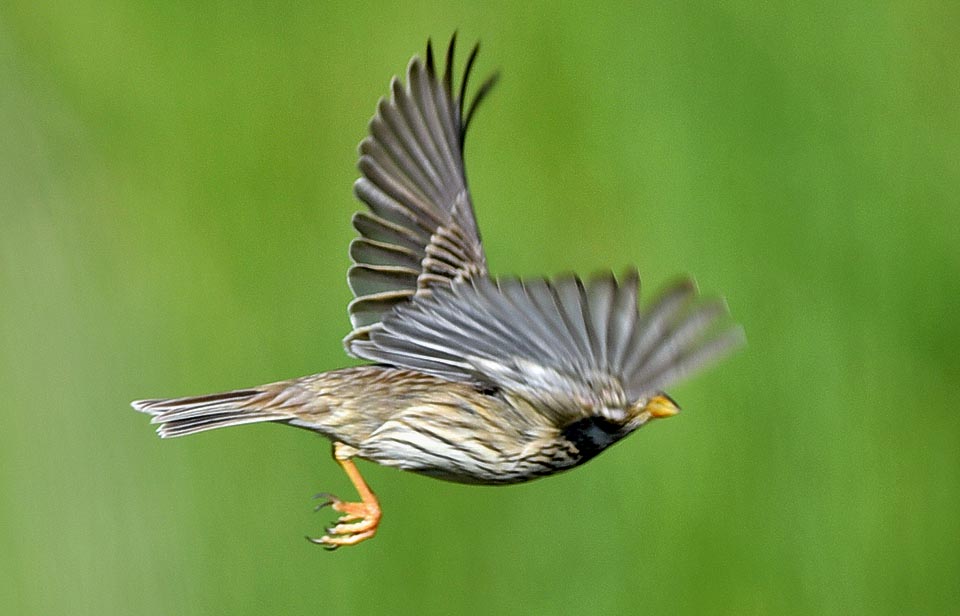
{"points": [[563, 344], [420, 231]]}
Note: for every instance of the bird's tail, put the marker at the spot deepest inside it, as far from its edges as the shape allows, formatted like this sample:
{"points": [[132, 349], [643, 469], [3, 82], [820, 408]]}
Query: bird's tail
{"points": [[182, 416]]}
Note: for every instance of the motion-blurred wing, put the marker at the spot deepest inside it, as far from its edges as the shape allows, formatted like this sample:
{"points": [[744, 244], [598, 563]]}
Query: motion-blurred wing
{"points": [[420, 231], [562, 343]]}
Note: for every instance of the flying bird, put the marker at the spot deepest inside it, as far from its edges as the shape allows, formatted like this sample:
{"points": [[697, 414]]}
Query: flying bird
{"points": [[473, 378]]}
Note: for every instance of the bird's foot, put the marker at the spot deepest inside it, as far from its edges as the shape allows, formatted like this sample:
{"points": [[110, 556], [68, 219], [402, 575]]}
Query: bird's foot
{"points": [[358, 523]]}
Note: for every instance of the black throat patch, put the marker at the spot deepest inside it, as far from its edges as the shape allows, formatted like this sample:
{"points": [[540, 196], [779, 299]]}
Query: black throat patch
{"points": [[592, 435]]}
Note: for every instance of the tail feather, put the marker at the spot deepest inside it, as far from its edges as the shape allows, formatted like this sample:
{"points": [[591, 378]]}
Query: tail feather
{"points": [[182, 416]]}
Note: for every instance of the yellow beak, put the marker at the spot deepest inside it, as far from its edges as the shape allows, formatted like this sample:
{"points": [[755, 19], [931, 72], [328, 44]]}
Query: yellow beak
{"points": [[661, 406]]}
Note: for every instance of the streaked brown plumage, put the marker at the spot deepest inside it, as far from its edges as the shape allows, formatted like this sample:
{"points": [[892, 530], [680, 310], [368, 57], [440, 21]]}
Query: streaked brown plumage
{"points": [[477, 379]]}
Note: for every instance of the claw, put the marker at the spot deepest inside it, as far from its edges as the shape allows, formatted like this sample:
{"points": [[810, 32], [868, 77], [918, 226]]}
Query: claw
{"points": [[322, 542], [329, 500]]}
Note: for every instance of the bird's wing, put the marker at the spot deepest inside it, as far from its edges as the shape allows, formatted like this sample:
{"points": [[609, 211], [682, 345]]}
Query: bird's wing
{"points": [[420, 232], [561, 343]]}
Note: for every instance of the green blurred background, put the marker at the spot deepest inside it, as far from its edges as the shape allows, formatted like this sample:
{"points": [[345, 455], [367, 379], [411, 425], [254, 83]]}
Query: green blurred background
{"points": [[174, 216]]}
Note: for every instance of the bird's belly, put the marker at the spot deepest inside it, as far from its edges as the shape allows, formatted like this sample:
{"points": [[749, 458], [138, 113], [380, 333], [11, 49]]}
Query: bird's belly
{"points": [[466, 460], [461, 462]]}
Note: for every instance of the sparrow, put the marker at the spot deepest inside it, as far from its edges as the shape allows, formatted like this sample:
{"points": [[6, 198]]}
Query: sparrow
{"points": [[472, 378]]}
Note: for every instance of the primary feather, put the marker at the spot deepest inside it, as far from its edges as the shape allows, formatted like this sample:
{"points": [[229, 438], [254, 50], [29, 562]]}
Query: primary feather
{"points": [[421, 230]]}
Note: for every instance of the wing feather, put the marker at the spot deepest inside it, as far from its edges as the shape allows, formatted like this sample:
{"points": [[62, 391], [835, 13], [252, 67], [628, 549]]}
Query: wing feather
{"points": [[602, 291], [560, 343], [623, 318], [420, 231]]}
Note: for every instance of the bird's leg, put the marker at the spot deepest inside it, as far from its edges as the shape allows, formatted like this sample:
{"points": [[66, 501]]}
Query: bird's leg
{"points": [[359, 520]]}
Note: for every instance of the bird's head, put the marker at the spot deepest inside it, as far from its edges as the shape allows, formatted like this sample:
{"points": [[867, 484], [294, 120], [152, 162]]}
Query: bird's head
{"points": [[593, 434]]}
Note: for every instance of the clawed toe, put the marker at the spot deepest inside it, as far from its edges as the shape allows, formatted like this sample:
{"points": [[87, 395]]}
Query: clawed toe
{"points": [[332, 542], [358, 523]]}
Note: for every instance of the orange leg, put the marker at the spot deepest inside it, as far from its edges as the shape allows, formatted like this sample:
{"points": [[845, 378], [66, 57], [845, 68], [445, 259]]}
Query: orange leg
{"points": [[359, 520]]}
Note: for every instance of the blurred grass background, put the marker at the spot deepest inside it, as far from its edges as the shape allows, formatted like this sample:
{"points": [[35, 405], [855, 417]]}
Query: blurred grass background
{"points": [[174, 216]]}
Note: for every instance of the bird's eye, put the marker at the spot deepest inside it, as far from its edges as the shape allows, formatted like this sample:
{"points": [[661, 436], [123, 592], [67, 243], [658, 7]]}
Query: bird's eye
{"points": [[489, 390]]}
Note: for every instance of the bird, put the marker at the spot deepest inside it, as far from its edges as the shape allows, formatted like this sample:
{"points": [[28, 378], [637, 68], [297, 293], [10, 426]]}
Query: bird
{"points": [[470, 377]]}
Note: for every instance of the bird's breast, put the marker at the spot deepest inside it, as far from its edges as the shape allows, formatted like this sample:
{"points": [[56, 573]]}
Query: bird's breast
{"points": [[489, 442]]}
